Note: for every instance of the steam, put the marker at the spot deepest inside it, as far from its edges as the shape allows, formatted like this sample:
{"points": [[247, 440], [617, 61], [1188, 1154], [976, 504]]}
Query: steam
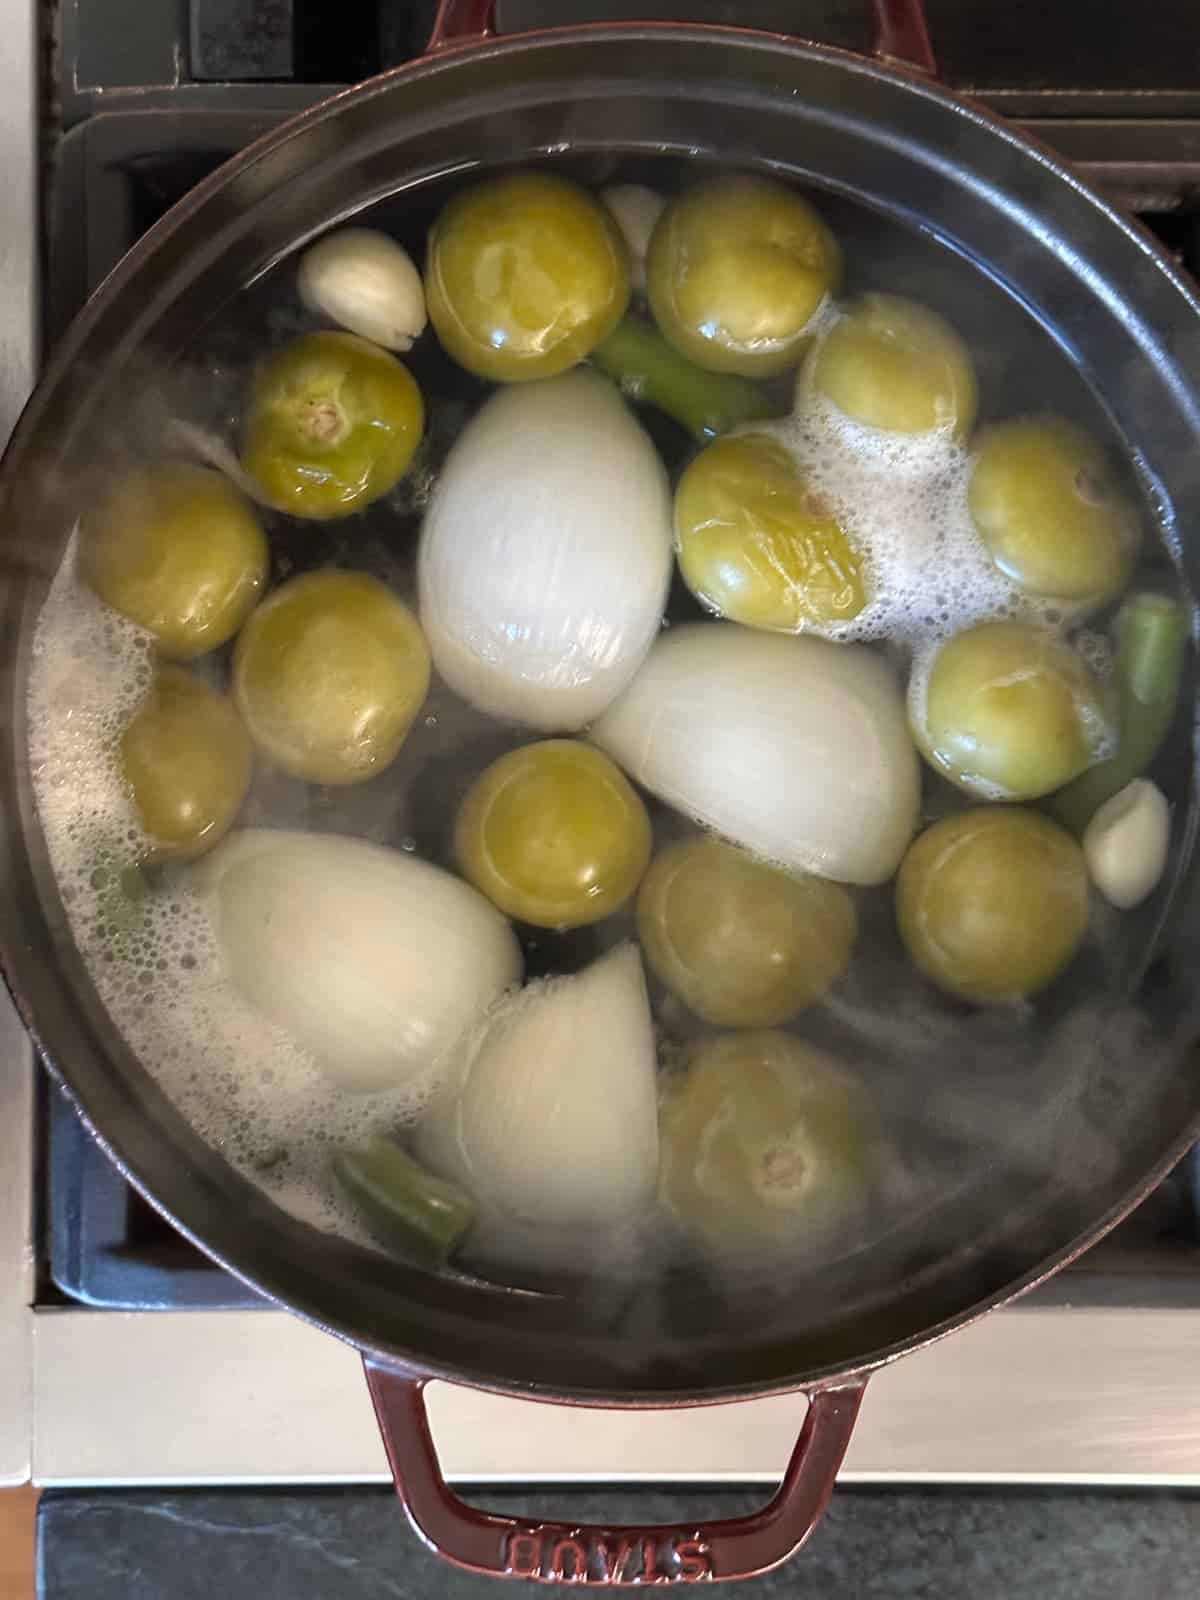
{"points": [[1021, 1102]]}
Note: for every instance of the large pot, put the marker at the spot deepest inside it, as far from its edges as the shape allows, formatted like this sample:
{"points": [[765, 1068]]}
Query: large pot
{"points": [[873, 130]]}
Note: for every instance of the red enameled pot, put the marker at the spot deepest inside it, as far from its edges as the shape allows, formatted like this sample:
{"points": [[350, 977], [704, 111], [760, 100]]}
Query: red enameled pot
{"points": [[873, 132]]}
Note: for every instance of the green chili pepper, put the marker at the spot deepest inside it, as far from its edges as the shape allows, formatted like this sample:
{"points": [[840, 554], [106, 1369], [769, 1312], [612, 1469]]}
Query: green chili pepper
{"points": [[649, 369], [405, 1206], [1151, 635]]}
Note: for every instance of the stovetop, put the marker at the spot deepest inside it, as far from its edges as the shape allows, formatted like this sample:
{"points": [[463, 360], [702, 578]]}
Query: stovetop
{"points": [[146, 100], [1105, 53]]}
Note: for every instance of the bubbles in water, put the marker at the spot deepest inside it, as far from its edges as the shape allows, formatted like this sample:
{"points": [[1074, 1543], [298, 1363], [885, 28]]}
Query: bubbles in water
{"points": [[242, 1083], [902, 500], [1097, 651]]}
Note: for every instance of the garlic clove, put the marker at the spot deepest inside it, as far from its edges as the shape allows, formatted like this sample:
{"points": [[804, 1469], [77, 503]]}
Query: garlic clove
{"points": [[364, 281], [636, 210], [1125, 843]]}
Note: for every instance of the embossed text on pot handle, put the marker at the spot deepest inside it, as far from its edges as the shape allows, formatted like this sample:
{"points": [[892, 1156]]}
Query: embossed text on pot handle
{"points": [[559, 1552]]}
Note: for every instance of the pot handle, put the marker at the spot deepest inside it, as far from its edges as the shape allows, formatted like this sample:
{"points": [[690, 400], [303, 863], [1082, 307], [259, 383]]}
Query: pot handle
{"points": [[901, 32], [560, 1552]]}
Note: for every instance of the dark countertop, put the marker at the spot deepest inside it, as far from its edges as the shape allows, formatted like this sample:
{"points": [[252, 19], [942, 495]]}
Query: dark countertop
{"points": [[875, 1544]]}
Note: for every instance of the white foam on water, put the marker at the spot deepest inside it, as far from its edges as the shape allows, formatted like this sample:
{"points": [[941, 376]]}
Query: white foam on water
{"points": [[902, 501], [241, 1082]]}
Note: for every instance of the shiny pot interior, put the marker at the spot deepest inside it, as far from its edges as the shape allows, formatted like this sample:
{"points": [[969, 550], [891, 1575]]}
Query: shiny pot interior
{"points": [[859, 131]]}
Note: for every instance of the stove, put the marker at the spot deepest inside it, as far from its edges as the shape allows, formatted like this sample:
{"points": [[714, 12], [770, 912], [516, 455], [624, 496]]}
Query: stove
{"points": [[125, 1356]]}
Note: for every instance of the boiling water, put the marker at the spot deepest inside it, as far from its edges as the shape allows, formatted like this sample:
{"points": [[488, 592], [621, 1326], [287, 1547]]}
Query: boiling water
{"points": [[245, 1085], [249, 1089]]}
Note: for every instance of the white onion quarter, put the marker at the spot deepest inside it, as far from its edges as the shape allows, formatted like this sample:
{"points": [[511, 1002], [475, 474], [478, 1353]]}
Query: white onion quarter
{"points": [[546, 553], [795, 748], [373, 960], [551, 1116]]}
